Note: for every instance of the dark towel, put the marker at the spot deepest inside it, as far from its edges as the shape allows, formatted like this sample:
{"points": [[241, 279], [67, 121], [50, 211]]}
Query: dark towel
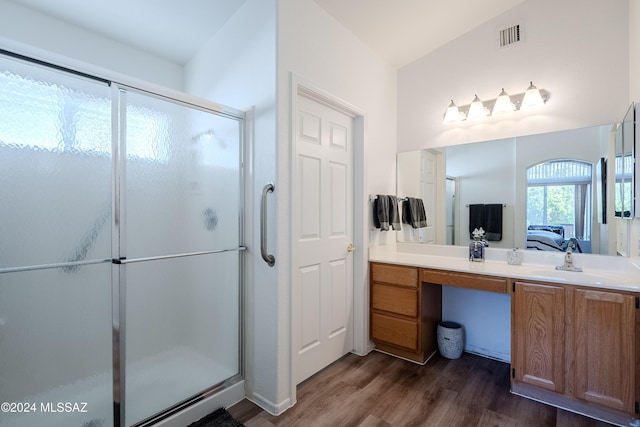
{"points": [[385, 212], [476, 218], [394, 216], [381, 212], [413, 212], [493, 222]]}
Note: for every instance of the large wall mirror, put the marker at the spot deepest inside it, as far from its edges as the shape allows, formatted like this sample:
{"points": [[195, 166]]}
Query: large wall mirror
{"points": [[551, 189], [624, 165]]}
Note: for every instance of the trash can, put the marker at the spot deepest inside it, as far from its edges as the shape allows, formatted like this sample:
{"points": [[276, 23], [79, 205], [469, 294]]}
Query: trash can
{"points": [[450, 339]]}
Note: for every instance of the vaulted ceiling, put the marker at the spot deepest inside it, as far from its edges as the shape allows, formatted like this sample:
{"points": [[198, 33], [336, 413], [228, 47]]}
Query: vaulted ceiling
{"points": [[401, 31]]}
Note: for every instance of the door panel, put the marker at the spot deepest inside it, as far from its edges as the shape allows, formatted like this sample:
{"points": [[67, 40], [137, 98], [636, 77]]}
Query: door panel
{"points": [[339, 182], [55, 167], [339, 297], [183, 329], [55, 344], [310, 199], [322, 230], [55, 246], [605, 334], [182, 175], [309, 282], [181, 200], [539, 338]]}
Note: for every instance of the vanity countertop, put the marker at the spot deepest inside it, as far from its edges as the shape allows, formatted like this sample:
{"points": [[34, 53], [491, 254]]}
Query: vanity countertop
{"points": [[598, 271]]}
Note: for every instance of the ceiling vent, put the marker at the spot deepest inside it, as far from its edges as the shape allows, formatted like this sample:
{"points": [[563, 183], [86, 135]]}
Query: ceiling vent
{"points": [[510, 36]]}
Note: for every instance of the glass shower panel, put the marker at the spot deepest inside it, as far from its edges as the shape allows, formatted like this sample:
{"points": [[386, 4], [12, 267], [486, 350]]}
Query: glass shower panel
{"points": [[55, 347], [183, 329], [183, 183], [181, 235], [55, 166]]}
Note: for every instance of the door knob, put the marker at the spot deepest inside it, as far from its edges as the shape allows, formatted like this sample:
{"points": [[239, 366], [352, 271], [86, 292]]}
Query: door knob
{"points": [[351, 248]]}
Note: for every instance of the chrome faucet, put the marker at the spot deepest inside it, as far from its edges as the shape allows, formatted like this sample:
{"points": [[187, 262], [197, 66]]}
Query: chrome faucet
{"points": [[568, 259]]}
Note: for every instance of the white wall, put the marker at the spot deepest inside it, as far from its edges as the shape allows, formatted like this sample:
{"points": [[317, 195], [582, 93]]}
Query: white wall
{"points": [[634, 51], [485, 316], [42, 36], [237, 67], [568, 47], [316, 48]]}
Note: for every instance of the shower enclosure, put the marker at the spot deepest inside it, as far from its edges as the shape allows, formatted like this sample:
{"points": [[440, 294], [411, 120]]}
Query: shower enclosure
{"points": [[120, 249]]}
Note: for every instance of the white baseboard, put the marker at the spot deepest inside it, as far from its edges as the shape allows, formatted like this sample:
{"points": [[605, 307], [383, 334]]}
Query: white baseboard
{"points": [[272, 408]]}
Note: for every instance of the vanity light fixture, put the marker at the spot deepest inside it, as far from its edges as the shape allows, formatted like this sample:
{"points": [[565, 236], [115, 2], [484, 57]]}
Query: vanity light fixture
{"points": [[504, 104]]}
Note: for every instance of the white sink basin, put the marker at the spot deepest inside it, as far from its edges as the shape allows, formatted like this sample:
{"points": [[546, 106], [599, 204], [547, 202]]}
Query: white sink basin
{"points": [[567, 276]]}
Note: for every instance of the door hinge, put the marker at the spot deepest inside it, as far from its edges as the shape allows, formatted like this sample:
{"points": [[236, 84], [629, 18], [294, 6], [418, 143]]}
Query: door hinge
{"points": [[513, 286], [637, 302], [513, 374], [637, 407]]}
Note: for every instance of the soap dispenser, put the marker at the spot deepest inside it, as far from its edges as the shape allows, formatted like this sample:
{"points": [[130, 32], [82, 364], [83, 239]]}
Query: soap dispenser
{"points": [[476, 247]]}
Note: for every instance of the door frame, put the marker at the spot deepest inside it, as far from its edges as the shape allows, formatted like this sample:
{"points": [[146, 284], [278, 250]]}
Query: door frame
{"points": [[361, 342]]}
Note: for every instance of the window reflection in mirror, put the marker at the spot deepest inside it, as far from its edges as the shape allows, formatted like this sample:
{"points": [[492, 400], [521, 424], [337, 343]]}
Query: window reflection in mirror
{"points": [[559, 205]]}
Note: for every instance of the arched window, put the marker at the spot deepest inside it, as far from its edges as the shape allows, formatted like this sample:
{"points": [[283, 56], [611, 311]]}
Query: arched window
{"points": [[559, 198]]}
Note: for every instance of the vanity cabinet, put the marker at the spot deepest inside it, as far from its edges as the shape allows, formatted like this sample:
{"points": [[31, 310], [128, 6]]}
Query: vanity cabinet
{"points": [[576, 348], [404, 312], [573, 346]]}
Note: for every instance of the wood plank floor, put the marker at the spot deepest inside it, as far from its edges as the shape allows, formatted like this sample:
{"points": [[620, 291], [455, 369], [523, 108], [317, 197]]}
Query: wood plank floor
{"points": [[379, 390]]}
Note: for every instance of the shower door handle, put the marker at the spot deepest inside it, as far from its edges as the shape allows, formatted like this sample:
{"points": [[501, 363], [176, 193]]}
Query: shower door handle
{"points": [[269, 259]]}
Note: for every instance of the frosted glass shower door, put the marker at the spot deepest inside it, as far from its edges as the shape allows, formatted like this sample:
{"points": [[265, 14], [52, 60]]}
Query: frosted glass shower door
{"points": [[180, 245], [55, 248]]}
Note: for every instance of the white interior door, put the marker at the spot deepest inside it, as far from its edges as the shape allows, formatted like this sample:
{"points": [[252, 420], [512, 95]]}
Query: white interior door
{"points": [[429, 191], [322, 237]]}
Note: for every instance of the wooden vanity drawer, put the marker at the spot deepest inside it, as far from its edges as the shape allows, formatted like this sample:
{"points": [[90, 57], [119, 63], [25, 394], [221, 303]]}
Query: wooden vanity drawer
{"points": [[394, 274], [465, 280], [395, 331], [395, 299]]}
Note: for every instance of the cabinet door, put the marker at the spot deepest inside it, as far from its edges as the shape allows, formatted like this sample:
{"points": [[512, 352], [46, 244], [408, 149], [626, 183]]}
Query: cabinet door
{"points": [[538, 336], [605, 354]]}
